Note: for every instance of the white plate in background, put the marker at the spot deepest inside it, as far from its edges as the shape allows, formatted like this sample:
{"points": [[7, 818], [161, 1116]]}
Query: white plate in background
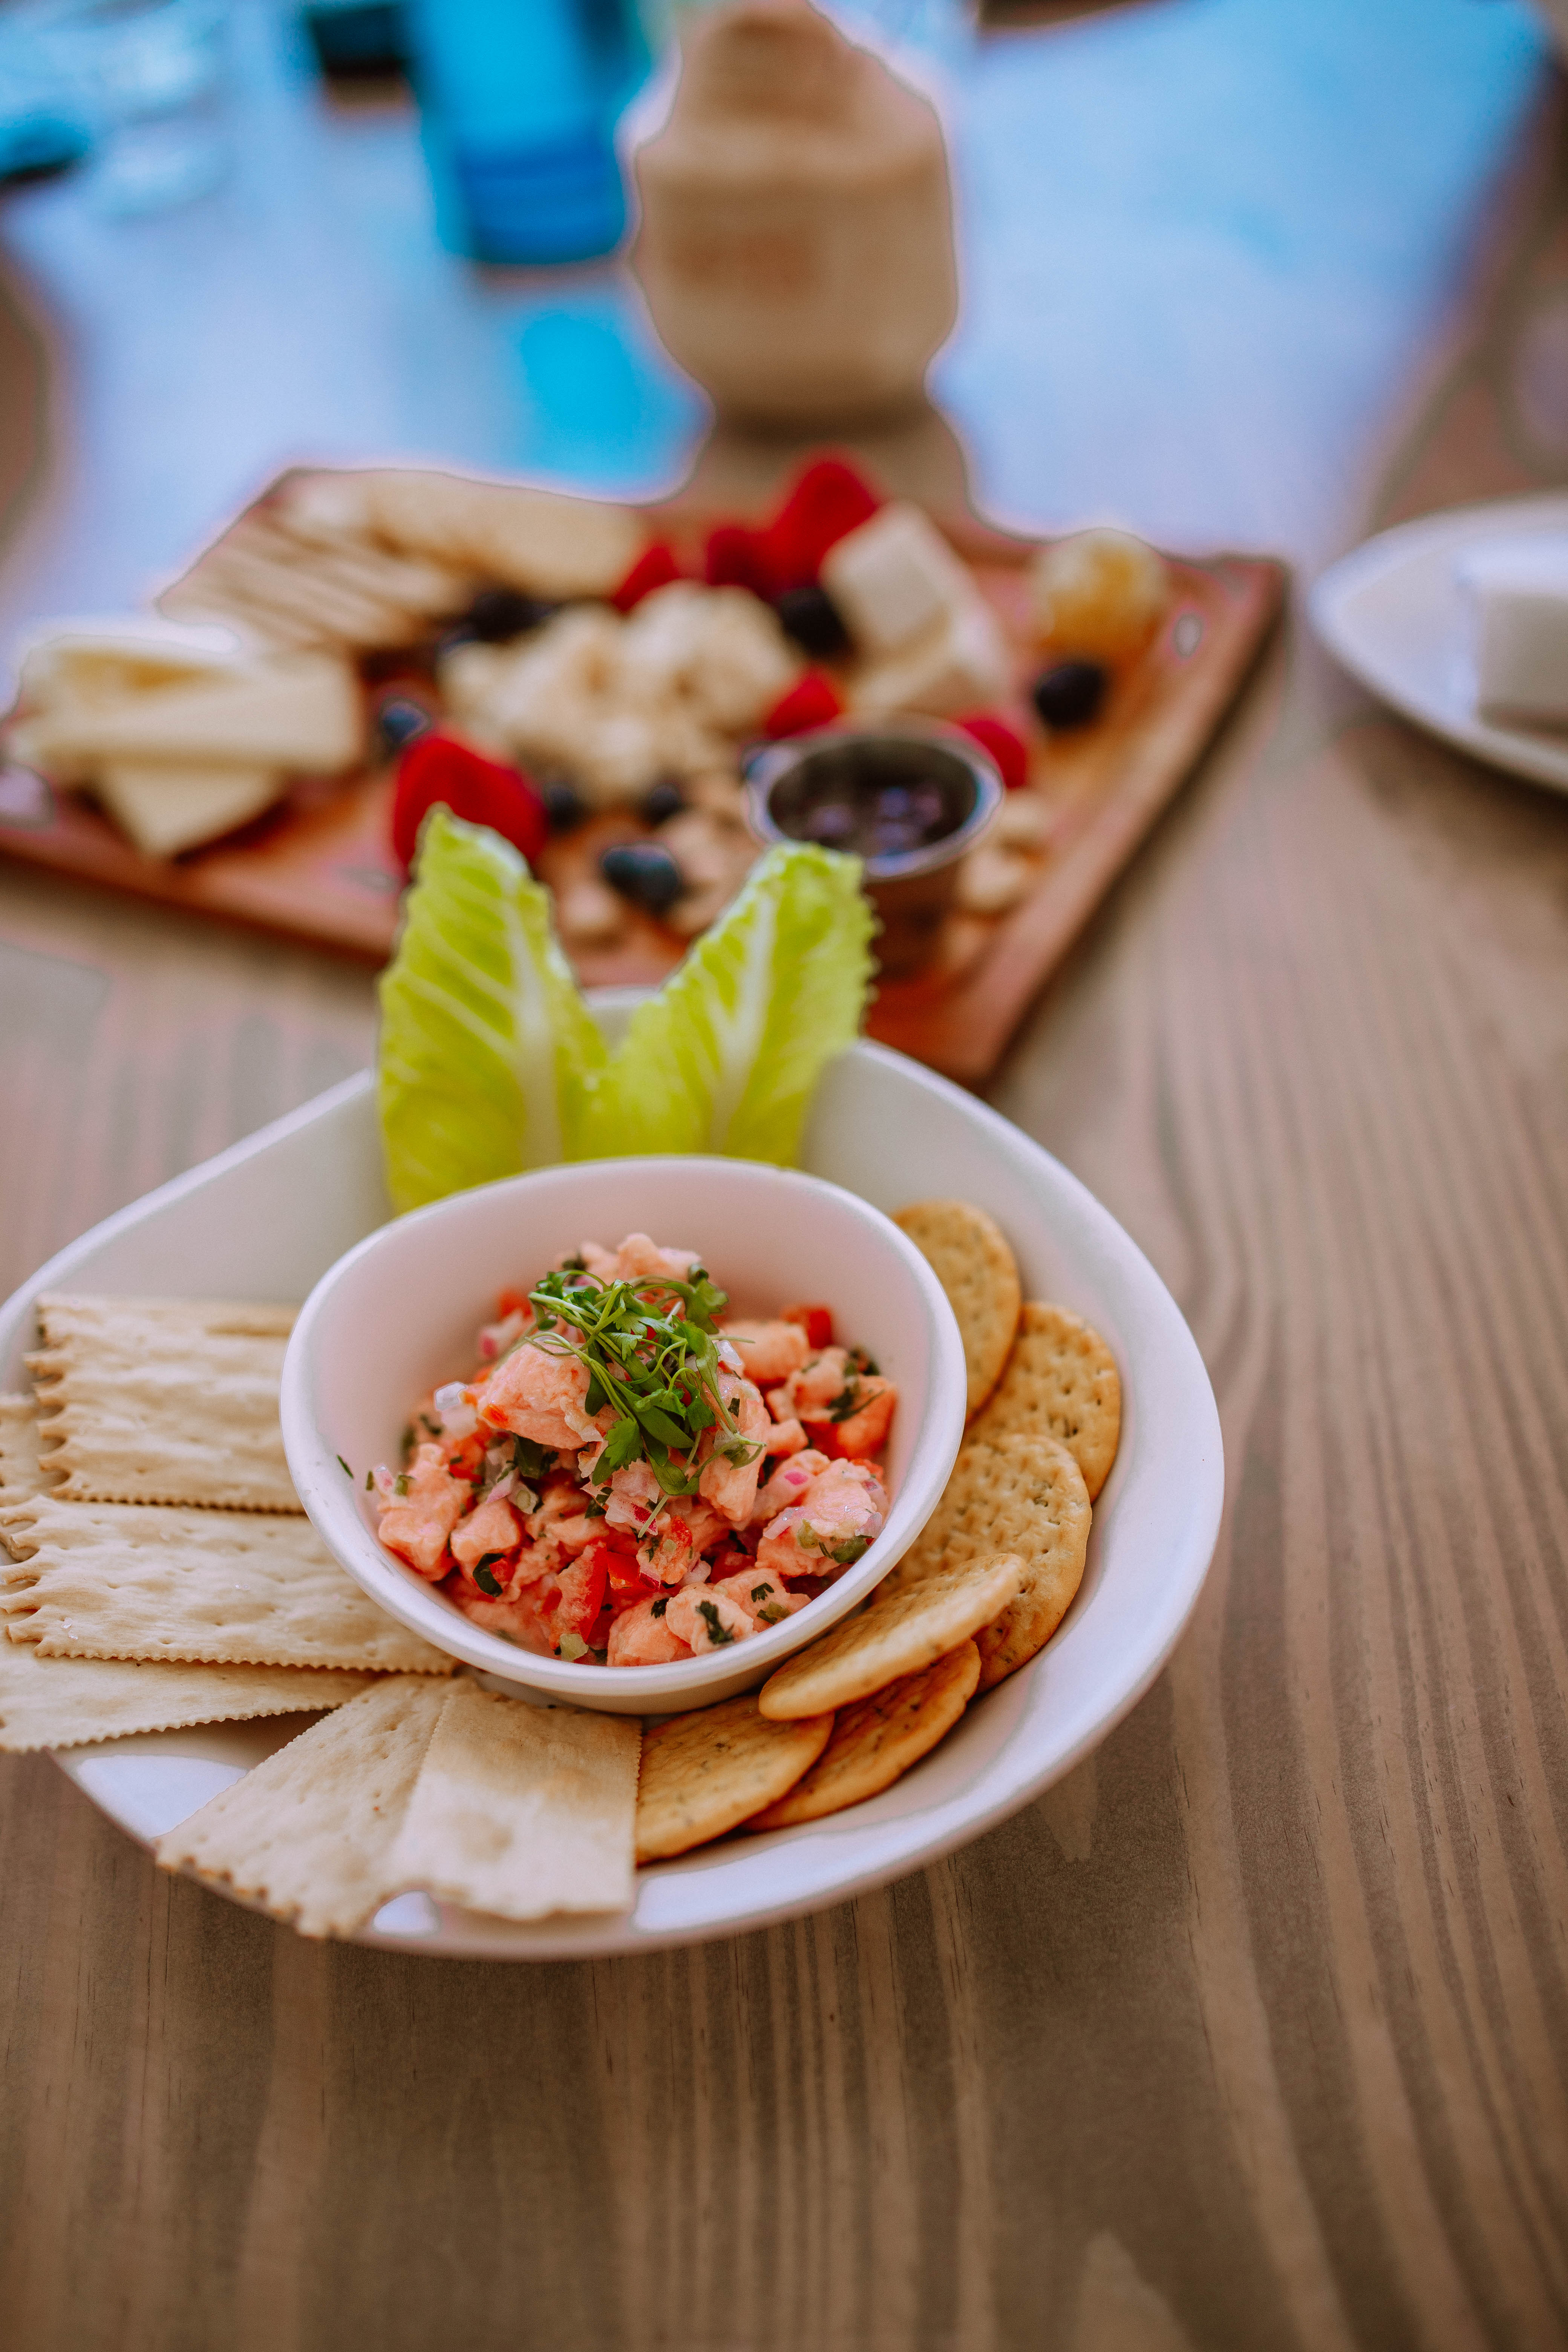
{"points": [[1392, 612], [266, 1219]]}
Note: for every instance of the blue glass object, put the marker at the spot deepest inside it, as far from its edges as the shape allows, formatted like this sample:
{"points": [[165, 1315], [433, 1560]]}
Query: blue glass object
{"points": [[519, 100]]}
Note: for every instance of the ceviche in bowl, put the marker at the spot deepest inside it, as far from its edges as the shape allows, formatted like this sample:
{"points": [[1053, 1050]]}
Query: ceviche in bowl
{"points": [[634, 1471]]}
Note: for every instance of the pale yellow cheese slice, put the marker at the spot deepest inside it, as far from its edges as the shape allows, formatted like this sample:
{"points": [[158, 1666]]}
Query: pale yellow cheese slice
{"points": [[166, 806]]}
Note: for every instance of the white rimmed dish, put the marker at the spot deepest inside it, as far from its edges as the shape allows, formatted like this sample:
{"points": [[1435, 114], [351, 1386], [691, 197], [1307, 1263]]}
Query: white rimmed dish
{"points": [[267, 1219], [398, 1316], [1394, 615]]}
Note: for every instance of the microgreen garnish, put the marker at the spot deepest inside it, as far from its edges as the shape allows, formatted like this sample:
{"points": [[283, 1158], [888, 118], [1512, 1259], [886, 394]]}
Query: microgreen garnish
{"points": [[343, 1467], [485, 1576], [650, 1347]]}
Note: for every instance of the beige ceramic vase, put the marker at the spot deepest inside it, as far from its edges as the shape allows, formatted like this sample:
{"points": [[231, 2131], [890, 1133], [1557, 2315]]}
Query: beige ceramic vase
{"points": [[796, 239]]}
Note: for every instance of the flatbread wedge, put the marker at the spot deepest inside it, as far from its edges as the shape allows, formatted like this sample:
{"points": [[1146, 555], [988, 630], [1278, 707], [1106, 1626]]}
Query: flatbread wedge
{"points": [[309, 1834]]}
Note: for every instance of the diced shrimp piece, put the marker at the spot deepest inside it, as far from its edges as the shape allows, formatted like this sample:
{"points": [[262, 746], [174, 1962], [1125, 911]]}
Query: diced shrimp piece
{"points": [[841, 1515], [789, 1484], [864, 1432], [514, 1621], [705, 1620], [765, 1599], [578, 1599], [678, 1539], [538, 1393], [810, 1393], [731, 1487], [641, 1260], [769, 1352], [493, 1529], [634, 1495], [638, 1638], [787, 1437], [416, 1522]]}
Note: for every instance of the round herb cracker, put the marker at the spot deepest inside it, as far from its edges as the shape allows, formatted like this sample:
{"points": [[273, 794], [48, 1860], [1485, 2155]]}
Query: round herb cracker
{"points": [[969, 1254], [705, 1773], [901, 1635], [1062, 1377], [874, 1741], [1025, 1494]]}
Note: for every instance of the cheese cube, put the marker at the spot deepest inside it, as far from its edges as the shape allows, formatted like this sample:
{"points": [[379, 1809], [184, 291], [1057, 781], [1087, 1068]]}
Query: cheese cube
{"points": [[1518, 594], [166, 807], [960, 665], [893, 579]]}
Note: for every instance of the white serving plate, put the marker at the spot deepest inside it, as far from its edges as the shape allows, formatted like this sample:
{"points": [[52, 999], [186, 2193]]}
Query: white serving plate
{"points": [[1392, 614], [267, 1218]]}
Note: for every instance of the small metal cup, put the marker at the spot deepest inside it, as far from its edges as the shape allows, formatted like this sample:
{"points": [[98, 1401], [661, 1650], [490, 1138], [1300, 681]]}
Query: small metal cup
{"points": [[791, 784]]}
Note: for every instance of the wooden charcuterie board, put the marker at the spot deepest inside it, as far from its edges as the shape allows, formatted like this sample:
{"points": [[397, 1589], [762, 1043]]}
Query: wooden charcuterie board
{"points": [[318, 866]]}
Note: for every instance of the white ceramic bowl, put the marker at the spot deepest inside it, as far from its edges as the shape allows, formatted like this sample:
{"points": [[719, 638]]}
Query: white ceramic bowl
{"points": [[267, 1218], [398, 1316]]}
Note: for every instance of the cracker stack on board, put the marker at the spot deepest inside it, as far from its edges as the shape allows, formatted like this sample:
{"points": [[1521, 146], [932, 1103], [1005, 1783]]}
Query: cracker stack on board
{"points": [[163, 1574]]}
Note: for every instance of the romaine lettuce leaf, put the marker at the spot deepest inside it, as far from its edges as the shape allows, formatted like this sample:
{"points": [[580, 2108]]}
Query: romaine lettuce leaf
{"points": [[489, 1058], [726, 1057]]}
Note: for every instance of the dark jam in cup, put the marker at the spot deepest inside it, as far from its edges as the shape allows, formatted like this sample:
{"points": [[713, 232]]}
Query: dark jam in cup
{"points": [[908, 798], [878, 797]]}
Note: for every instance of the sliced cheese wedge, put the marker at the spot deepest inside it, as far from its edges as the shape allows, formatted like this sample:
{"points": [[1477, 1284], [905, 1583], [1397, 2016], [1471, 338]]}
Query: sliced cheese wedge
{"points": [[297, 711], [166, 807]]}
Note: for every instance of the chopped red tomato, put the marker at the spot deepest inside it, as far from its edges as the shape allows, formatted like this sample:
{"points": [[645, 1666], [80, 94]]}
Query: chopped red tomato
{"points": [[581, 1596], [510, 1302], [816, 1322]]}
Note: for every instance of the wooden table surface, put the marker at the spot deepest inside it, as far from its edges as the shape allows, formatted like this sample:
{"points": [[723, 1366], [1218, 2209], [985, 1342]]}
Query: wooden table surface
{"points": [[1253, 2032]]}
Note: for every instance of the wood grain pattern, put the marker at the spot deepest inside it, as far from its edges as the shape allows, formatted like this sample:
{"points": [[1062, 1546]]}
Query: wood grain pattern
{"points": [[1251, 2033]]}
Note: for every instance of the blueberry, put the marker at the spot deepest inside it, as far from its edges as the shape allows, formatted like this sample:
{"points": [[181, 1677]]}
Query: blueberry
{"points": [[811, 617], [1070, 693], [563, 804], [644, 871], [400, 721], [662, 801], [497, 614]]}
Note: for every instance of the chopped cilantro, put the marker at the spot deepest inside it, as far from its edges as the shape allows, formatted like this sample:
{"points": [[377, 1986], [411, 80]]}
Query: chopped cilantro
{"points": [[593, 1510], [761, 1592], [485, 1576], [717, 1633], [660, 1606], [860, 1361], [529, 1459], [399, 1485], [771, 1615], [848, 1553], [848, 1401], [343, 1467], [369, 1480]]}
